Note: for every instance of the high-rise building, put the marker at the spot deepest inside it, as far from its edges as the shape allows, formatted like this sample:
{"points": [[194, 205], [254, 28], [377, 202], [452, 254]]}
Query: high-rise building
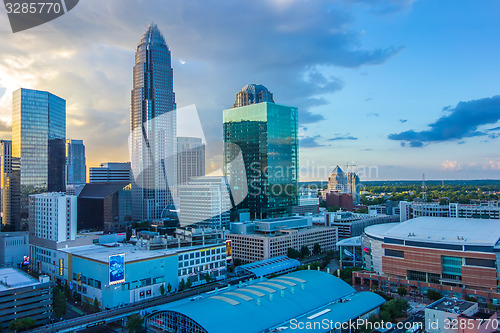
{"points": [[38, 138], [338, 182], [110, 172], [353, 185], [76, 170], [52, 216], [205, 202], [190, 159], [10, 174], [265, 134], [153, 146]]}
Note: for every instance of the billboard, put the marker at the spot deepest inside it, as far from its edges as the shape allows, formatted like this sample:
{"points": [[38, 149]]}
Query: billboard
{"points": [[228, 249], [116, 268]]}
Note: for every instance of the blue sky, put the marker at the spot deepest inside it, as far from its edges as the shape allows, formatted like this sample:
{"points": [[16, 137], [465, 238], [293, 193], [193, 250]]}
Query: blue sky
{"points": [[398, 88]]}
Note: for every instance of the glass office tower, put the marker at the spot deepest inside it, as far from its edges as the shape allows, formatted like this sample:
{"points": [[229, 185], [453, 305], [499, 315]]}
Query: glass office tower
{"points": [[38, 139], [153, 144], [10, 176], [76, 170], [266, 134]]}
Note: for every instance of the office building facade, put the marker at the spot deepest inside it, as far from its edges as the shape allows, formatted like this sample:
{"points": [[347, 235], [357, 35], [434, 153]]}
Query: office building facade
{"points": [[110, 172], [265, 134], [38, 139], [10, 182], [52, 216], [260, 240], [205, 202], [190, 159], [76, 169], [153, 127]]}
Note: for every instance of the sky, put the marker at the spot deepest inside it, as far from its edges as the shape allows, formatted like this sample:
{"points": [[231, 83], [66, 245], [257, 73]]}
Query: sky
{"points": [[391, 88]]}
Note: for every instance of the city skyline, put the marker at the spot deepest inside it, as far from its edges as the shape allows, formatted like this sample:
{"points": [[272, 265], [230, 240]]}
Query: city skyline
{"points": [[394, 85]]}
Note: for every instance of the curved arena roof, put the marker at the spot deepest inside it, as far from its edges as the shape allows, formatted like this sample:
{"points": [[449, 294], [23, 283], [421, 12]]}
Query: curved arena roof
{"points": [[261, 305]]}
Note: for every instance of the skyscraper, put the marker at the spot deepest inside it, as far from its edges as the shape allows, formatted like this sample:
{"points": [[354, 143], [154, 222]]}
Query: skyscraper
{"points": [[266, 135], [38, 139], [76, 170], [10, 175], [337, 181], [190, 159], [153, 144]]}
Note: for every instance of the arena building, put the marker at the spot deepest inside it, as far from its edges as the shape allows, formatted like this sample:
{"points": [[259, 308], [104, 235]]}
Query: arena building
{"points": [[456, 257]]}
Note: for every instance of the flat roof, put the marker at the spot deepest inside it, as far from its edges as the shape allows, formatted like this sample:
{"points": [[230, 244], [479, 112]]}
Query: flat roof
{"points": [[276, 233], [441, 230], [132, 253], [12, 278], [451, 305]]}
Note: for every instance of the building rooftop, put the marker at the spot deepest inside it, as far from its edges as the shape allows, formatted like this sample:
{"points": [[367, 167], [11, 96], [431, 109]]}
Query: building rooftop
{"points": [[263, 304], [101, 190], [11, 278], [451, 305], [269, 266], [441, 230], [132, 253], [353, 241]]}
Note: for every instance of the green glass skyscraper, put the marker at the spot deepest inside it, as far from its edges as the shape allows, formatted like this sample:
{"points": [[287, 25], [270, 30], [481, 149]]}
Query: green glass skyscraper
{"points": [[266, 135], [38, 139]]}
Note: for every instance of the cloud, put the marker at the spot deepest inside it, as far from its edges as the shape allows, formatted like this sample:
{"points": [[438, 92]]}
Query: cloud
{"points": [[450, 165], [310, 142], [462, 121], [5, 127], [346, 137], [86, 57]]}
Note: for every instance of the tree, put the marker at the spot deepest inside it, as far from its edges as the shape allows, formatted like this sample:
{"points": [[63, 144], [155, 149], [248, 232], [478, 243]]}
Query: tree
{"points": [[402, 291], [304, 251], [189, 283], [316, 249], [59, 303], [76, 296], [292, 253], [346, 273], [20, 325], [182, 285], [162, 289], [433, 295], [393, 309], [169, 288], [95, 306], [236, 262], [134, 323], [208, 278]]}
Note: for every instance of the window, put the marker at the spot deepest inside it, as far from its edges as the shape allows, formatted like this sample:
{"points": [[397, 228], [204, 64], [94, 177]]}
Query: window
{"points": [[394, 253], [480, 262]]}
